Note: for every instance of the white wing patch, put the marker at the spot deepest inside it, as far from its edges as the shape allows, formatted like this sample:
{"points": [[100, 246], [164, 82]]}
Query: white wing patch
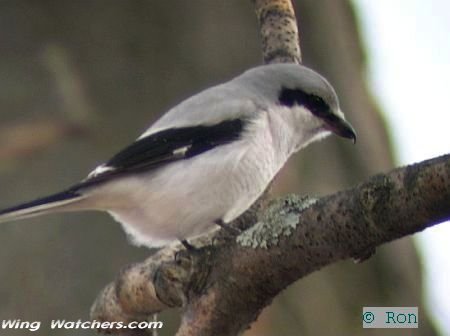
{"points": [[181, 151]]}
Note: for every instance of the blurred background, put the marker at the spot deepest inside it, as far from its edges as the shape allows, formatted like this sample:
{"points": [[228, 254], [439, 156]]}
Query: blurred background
{"points": [[81, 79]]}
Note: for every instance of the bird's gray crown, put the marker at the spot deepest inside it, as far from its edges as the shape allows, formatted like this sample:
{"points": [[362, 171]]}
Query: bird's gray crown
{"points": [[291, 84]]}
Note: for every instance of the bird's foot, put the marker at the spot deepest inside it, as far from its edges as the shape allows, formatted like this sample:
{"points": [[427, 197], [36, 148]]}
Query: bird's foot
{"points": [[232, 230], [185, 255], [188, 246]]}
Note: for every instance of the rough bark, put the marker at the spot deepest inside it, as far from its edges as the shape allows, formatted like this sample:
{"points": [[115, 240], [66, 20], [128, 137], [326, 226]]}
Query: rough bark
{"points": [[223, 286], [278, 30]]}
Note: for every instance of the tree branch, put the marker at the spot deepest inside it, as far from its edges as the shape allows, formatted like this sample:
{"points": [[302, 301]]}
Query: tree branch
{"points": [[21, 140], [279, 32], [223, 286]]}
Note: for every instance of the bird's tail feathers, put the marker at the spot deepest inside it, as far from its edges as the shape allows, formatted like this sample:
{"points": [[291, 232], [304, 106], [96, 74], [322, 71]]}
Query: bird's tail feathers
{"points": [[63, 201]]}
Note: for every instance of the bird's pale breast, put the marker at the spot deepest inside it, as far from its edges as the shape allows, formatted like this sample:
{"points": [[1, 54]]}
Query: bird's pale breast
{"points": [[183, 199]]}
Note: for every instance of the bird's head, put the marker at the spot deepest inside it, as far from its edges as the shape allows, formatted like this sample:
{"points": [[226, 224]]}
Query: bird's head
{"points": [[298, 87]]}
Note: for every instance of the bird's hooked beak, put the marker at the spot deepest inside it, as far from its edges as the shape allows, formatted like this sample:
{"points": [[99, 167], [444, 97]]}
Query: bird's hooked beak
{"points": [[340, 126]]}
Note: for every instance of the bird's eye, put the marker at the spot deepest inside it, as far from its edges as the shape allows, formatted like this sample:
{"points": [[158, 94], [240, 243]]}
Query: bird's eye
{"points": [[291, 97], [317, 105]]}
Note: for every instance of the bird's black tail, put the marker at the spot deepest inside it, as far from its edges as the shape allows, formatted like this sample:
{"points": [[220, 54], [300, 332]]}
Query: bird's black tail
{"points": [[63, 201]]}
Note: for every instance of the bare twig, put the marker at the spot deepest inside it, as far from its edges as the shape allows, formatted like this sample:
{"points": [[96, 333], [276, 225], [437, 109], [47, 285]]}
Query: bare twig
{"points": [[279, 32], [75, 103], [21, 140]]}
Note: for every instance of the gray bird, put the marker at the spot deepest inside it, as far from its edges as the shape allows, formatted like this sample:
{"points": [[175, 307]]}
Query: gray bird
{"points": [[208, 159]]}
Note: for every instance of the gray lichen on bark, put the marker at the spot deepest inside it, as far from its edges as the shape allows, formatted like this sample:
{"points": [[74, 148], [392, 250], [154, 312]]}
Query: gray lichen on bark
{"points": [[280, 219]]}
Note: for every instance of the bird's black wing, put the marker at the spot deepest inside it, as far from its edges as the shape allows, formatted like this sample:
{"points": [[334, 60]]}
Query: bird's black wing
{"points": [[167, 146], [144, 154]]}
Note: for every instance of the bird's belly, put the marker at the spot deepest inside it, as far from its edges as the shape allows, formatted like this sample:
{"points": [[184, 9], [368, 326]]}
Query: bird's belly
{"points": [[184, 199]]}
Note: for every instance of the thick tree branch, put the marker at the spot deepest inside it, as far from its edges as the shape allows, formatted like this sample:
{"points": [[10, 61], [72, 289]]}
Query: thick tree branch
{"points": [[224, 285]]}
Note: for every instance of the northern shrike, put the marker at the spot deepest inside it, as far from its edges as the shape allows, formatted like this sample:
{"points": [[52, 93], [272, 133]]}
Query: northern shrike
{"points": [[208, 159]]}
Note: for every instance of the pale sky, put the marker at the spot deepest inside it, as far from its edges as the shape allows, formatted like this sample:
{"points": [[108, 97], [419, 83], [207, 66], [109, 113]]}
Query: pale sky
{"points": [[408, 45]]}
